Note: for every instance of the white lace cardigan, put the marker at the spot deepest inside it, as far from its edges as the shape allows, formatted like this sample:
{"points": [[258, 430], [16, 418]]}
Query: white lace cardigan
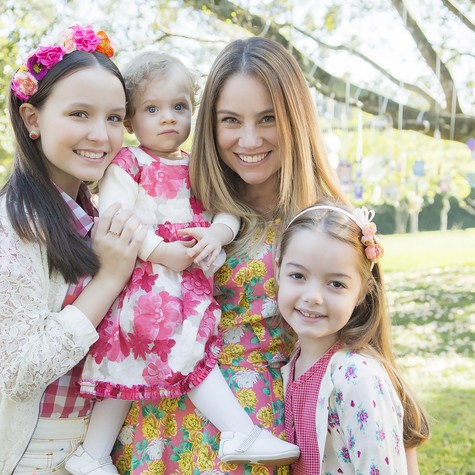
{"points": [[38, 341]]}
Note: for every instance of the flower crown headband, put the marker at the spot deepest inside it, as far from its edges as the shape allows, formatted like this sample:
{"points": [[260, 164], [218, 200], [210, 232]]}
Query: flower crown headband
{"points": [[75, 38], [363, 218]]}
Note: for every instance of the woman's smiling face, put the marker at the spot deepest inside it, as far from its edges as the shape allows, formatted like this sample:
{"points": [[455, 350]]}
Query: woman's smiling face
{"points": [[247, 136]]}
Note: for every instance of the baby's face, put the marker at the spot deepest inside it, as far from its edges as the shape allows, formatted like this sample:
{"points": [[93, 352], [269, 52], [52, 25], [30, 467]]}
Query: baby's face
{"points": [[162, 120]]}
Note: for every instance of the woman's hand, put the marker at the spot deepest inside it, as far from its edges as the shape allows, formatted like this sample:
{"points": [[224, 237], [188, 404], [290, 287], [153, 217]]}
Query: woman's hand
{"points": [[116, 238]]}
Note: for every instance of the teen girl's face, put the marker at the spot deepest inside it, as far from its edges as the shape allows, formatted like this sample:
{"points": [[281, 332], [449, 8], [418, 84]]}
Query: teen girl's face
{"points": [[247, 138], [162, 120], [81, 126], [319, 287]]}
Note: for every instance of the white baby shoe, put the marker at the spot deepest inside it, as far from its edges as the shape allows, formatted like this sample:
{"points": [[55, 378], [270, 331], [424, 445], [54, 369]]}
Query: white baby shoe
{"points": [[259, 447], [81, 463]]}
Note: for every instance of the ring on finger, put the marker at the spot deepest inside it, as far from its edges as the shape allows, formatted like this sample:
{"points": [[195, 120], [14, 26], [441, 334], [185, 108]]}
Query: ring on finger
{"points": [[114, 233]]}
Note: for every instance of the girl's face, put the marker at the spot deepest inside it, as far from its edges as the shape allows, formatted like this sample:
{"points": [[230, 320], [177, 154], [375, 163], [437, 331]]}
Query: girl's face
{"points": [[319, 287], [162, 120], [247, 138], [81, 126]]}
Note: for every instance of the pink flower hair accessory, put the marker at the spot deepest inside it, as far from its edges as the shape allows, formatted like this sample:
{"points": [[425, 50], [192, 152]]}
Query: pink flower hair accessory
{"points": [[363, 218], [75, 38]]}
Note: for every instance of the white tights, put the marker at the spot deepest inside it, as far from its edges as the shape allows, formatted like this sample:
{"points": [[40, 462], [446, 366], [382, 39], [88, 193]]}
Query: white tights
{"points": [[213, 397]]}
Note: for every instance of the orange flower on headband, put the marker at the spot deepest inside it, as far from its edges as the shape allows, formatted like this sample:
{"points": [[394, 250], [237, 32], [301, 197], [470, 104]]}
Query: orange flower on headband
{"points": [[105, 46]]}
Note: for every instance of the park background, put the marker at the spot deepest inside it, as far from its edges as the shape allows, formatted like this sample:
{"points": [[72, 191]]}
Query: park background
{"points": [[394, 84]]}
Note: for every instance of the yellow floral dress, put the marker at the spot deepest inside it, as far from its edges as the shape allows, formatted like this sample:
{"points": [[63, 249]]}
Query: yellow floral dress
{"points": [[169, 436]]}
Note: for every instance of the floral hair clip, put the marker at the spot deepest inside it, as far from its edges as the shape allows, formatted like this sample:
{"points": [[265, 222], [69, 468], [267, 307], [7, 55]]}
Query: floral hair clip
{"points": [[363, 217], [75, 38]]}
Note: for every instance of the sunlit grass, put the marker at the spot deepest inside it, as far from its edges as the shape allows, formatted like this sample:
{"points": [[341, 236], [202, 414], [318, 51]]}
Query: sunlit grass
{"points": [[430, 279], [429, 249]]}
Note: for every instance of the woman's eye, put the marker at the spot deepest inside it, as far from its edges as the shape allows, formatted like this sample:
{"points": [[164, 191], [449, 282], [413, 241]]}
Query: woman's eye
{"points": [[268, 119], [152, 109], [296, 276], [116, 118], [229, 120]]}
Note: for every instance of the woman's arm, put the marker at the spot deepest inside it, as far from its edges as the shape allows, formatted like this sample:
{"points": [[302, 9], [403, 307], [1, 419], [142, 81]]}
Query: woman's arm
{"points": [[39, 342]]}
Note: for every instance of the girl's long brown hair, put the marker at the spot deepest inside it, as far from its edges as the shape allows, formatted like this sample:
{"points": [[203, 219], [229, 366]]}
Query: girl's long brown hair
{"points": [[35, 207], [369, 328]]}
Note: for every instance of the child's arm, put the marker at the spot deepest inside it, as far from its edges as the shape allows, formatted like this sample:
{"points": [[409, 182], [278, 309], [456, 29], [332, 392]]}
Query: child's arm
{"points": [[117, 186], [222, 231]]}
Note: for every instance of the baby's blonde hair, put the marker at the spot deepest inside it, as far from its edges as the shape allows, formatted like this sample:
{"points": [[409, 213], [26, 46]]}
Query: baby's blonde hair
{"points": [[151, 65]]}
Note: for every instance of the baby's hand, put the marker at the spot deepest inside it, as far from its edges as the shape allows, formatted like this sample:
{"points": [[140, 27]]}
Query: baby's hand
{"points": [[175, 255], [207, 248]]}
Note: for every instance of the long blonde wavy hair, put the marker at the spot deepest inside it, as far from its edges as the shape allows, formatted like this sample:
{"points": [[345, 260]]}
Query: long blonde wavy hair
{"points": [[305, 174]]}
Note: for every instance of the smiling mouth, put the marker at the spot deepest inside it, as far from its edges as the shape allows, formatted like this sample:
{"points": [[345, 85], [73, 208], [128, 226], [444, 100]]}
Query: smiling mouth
{"points": [[252, 158], [309, 315], [86, 154]]}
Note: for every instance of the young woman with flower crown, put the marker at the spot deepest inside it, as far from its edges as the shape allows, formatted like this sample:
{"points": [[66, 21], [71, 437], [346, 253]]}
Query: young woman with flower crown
{"points": [[61, 267], [330, 292]]}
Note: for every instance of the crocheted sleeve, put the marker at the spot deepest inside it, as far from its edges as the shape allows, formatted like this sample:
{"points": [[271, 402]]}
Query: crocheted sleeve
{"points": [[37, 345]]}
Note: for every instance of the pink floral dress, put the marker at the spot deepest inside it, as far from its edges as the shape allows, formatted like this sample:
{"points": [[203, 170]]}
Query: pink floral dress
{"points": [[169, 436], [160, 337]]}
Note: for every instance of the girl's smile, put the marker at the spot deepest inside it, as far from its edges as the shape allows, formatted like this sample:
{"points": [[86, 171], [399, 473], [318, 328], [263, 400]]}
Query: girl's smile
{"points": [[319, 287]]}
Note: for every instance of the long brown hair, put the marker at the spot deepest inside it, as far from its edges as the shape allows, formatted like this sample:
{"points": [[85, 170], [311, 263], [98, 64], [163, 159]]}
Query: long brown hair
{"points": [[369, 327], [35, 207], [305, 175]]}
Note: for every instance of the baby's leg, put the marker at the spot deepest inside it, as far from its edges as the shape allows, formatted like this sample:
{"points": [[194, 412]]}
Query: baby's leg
{"points": [[214, 398], [93, 456], [106, 421], [241, 441]]}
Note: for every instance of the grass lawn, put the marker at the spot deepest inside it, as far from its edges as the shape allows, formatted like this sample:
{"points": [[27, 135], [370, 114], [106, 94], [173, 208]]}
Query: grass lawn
{"points": [[429, 249], [430, 278]]}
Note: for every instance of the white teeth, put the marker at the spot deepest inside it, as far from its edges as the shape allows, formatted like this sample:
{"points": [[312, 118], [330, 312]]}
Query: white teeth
{"points": [[309, 315], [253, 158], [87, 154]]}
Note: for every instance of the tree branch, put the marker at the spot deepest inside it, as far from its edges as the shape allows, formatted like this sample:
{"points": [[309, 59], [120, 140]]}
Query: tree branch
{"points": [[410, 87], [459, 128], [466, 21], [429, 54]]}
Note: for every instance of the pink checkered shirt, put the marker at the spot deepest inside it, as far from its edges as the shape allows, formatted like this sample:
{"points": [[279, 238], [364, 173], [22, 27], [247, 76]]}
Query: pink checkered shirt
{"points": [[300, 408], [61, 399]]}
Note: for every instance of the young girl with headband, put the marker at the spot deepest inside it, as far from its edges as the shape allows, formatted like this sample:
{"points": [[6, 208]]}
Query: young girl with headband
{"points": [[61, 266], [343, 370]]}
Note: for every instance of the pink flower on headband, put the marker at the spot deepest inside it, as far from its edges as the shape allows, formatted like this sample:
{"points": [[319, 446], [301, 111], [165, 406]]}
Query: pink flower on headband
{"points": [[66, 39], [85, 38], [43, 59], [24, 84], [25, 81], [373, 247]]}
